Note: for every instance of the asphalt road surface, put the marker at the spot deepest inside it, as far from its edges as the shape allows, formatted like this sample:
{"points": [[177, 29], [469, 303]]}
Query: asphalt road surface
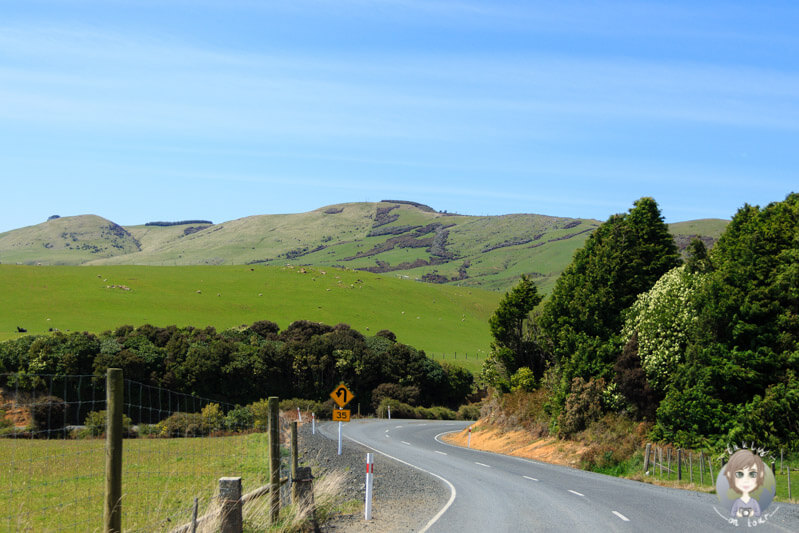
{"points": [[491, 493]]}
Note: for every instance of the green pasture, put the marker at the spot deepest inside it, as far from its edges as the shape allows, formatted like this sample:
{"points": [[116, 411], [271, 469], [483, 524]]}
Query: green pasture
{"points": [[48, 485], [435, 318]]}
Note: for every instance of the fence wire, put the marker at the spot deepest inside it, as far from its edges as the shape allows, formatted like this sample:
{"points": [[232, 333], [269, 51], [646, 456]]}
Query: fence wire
{"points": [[177, 446]]}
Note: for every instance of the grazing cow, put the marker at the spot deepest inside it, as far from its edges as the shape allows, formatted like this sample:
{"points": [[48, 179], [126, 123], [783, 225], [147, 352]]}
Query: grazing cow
{"points": [[21, 330]]}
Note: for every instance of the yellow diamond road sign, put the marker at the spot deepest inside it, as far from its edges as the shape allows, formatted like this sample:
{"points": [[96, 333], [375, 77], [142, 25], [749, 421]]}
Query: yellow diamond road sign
{"points": [[342, 395]]}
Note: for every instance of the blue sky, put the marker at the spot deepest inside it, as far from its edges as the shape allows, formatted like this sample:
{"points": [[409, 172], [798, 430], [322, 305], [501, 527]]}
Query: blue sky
{"points": [[166, 110]]}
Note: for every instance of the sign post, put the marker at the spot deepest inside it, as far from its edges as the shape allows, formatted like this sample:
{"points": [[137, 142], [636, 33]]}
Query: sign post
{"points": [[342, 396]]}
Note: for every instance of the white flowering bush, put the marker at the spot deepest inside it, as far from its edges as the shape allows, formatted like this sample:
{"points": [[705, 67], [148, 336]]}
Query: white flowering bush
{"points": [[664, 317]]}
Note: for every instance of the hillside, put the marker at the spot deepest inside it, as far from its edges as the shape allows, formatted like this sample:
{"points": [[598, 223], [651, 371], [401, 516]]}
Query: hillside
{"points": [[397, 238], [438, 319], [67, 241]]}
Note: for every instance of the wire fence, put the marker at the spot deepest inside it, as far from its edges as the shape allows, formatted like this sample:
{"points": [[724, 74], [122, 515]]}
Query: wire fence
{"points": [[701, 468], [177, 446]]}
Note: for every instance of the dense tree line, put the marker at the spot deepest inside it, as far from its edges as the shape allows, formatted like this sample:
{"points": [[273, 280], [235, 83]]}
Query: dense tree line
{"points": [[707, 351], [243, 365]]}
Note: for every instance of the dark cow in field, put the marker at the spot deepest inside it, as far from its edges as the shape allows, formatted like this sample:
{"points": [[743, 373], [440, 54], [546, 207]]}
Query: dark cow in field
{"points": [[21, 330]]}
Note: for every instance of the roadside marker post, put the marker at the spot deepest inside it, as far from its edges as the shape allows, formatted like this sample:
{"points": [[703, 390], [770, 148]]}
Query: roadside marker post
{"points": [[339, 437], [313, 423], [469, 440], [369, 474], [389, 412], [299, 416]]}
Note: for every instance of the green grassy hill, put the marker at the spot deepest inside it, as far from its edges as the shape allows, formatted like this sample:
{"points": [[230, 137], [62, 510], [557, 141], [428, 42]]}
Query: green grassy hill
{"points": [[395, 238], [67, 241], [436, 318]]}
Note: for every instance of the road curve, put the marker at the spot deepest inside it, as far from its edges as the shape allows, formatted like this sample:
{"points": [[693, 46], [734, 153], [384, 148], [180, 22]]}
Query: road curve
{"points": [[497, 493]]}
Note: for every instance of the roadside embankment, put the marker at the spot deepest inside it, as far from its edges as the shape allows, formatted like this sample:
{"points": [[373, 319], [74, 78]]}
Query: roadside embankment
{"points": [[519, 443]]}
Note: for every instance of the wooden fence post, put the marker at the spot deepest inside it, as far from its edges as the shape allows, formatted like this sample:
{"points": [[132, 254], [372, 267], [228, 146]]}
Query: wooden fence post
{"points": [[710, 465], [230, 517], [679, 464], [646, 457], [691, 467], [701, 467], [668, 464], [304, 494], [274, 459], [112, 512]]}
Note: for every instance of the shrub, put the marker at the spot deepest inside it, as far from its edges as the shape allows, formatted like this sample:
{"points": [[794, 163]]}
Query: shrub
{"points": [[322, 409], [181, 425], [48, 414], [240, 417], [405, 394], [212, 418], [583, 406], [398, 409], [612, 440], [468, 412], [96, 423], [434, 413], [523, 379]]}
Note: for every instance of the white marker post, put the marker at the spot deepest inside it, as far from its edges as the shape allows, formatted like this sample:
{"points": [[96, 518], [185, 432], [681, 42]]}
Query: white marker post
{"points": [[389, 412], [369, 474], [313, 423], [299, 416], [469, 440], [339, 437]]}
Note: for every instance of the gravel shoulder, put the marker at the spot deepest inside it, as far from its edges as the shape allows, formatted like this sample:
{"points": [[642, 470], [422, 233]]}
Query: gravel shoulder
{"points": [[404, 499]]}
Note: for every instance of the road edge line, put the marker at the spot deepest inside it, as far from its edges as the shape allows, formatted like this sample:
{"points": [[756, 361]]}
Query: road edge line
{"points": [[453, 492]]}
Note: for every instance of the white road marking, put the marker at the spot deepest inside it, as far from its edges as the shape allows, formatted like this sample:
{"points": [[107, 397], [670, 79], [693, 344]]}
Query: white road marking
{"points": [[621, 516], [530, 478], [577, 493], [397, 427], [481, 464], [452, 492], [442, 453], [408, 443]]}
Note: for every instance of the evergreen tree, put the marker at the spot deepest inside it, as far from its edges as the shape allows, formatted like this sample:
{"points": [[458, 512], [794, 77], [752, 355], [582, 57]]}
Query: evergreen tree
{"points": [[624, 257], [513, 346]]}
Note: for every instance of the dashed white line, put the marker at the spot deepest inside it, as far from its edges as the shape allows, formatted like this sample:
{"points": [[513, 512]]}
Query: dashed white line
{"points": [[481, 464], [442, 453], [530, 478], [577, 493], [621, 516], [407, 443]]}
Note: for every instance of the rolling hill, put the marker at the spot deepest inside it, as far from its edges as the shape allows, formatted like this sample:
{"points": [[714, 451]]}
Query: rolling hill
{"points": [[398, 238], [436, 318]]}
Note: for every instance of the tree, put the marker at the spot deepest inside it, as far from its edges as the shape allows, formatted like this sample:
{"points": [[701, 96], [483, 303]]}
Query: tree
{"points": [[624, 257], [513, 346]]}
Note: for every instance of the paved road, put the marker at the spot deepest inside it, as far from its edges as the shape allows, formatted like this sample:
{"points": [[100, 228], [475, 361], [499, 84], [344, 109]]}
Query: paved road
{"points": [[497, 493]]}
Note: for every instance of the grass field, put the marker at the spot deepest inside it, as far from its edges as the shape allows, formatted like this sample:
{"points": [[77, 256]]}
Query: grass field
{"points": [[436, 318], [48, 485]]}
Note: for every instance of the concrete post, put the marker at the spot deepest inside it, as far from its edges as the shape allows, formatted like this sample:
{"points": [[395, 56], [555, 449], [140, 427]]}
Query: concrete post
{"points": [[230, 516]]}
